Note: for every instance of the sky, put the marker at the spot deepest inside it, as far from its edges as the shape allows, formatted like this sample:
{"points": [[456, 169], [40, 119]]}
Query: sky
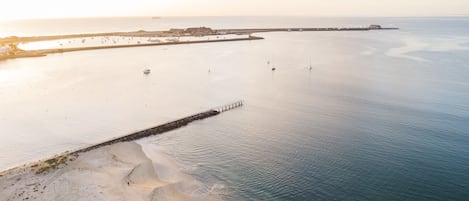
{"points": [[27, 9]]}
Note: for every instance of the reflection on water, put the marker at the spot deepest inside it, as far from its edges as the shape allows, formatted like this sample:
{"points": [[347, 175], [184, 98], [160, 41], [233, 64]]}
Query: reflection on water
{"points": [[434, 44], [367, 122]]}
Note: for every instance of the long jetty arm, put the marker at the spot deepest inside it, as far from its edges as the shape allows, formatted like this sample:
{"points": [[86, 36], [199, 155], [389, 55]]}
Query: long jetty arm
{"points": [[59, 159]]}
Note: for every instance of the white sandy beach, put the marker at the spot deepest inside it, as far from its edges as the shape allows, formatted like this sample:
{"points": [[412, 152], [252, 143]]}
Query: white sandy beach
{"points": [[122, 171]]}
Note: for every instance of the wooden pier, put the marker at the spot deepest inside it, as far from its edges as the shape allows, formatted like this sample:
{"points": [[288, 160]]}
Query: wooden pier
{"points": [[165, 127]]}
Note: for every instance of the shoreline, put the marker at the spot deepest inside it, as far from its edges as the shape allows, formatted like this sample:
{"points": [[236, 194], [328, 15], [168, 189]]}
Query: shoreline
{"points": [[15, 52], [45, 52], [122, 171], [51, 163], [177, 33], [58, 159], [125, 164]]}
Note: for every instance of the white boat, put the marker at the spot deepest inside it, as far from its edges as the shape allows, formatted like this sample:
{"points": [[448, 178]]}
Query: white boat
{"points": [[147, 71]]}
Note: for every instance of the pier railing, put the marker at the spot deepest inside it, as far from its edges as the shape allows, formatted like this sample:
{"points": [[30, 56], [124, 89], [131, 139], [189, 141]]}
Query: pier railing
{"points": [[230, 106]]}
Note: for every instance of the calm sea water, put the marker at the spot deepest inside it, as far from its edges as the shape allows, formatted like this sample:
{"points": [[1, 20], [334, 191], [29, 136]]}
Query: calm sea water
{"points": [[382, 115]]}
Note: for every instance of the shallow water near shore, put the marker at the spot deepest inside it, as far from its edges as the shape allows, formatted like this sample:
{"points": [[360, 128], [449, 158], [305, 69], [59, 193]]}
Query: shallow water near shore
{"points": [[381, 115]]}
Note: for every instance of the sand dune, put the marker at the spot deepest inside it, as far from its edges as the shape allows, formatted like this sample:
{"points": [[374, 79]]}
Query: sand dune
{"points": [[122, 171]]}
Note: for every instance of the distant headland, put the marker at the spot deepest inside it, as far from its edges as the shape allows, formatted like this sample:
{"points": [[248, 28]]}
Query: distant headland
{"points": [[9, 46]]}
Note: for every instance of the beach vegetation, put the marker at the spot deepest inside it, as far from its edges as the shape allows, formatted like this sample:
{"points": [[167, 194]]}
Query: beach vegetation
{"points": [[52, 163]]}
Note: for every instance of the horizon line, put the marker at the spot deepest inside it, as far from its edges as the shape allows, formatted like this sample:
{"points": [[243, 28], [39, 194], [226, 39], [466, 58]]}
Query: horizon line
{"points": [[221, 16]]}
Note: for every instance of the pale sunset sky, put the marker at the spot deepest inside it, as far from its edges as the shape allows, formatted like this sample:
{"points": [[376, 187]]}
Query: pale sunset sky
{"points": [[24, 9]]}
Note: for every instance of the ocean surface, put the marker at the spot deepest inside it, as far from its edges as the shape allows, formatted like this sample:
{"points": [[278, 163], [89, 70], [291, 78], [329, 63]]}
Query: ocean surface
{"points": [[381, 115]]}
